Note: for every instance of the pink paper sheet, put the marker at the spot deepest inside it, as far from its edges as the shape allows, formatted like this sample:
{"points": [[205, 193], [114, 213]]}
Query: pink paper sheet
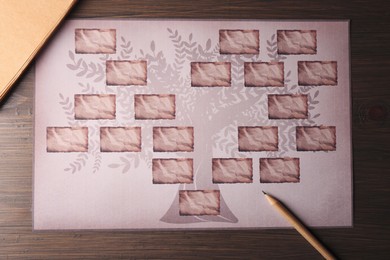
{"points": [[116, 188]]}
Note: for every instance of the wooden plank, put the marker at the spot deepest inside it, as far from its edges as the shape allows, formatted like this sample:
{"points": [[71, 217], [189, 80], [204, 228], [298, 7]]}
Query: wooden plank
{"points": [[370, 59]]}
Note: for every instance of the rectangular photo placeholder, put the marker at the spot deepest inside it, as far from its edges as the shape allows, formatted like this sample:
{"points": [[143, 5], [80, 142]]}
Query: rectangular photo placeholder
{"points": [[317, 73], [199, 202], [126, 72], [279, 170], [239, 42], [173, 139], [232, 170], [264, 74], [120, 139], [95, 41], [99, 106], [155, 106], [172, 170], [66, 139], [210, 74], [258, 138], [287, 106], [297, 42], [316, 138]]}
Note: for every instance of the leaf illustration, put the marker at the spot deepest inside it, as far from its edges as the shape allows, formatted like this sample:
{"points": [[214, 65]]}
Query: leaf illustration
{"points": [[200, 50], [126, 168], [114, 165], [123, 159], [82, 73], [71, 55], [99, 78], [92, 65], [96, 165], [208, 44], [152, 46], [90, 75], [104, 57], [78, 165], [136, 162], [71, 66]]}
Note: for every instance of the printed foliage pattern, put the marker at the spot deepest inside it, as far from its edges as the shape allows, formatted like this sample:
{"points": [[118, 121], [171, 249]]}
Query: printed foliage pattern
{"points": [[81, 159], [90, 70], [173, 77]]}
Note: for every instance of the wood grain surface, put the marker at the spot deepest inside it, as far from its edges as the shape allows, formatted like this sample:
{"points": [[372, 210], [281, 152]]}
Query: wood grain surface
{"points": [[370, 70]]}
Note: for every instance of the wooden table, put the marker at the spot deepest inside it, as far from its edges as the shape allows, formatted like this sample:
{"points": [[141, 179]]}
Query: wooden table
{"points": [[370, 70]]}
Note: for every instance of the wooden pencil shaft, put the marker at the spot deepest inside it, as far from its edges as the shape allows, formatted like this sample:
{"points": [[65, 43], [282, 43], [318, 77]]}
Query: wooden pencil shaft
{"points": [[300, 227]]}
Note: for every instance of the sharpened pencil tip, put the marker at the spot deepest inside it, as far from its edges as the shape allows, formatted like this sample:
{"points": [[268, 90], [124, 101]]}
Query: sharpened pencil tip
{"points": [[264, 192]]}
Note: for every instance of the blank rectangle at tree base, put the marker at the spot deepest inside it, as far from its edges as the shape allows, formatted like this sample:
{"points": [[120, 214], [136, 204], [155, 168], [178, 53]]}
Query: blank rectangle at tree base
{"points": [[199, 202]]}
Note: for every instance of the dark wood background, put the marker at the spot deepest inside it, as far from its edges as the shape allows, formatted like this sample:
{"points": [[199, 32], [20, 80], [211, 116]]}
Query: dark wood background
{"points": [[370, 70]]}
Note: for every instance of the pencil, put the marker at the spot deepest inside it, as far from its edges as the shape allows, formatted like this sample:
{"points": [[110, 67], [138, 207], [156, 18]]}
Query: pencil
{"points": [[299, 226]]}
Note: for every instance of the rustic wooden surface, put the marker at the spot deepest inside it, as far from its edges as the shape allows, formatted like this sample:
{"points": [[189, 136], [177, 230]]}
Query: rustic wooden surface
{"points": [[370, 70]]}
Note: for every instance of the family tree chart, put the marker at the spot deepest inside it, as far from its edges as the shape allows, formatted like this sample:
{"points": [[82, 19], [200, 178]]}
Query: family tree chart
{"points": [[182, 127]]}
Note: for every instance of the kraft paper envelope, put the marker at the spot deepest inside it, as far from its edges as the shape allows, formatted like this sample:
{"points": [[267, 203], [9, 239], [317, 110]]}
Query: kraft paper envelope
{"points": [[25, 25]]}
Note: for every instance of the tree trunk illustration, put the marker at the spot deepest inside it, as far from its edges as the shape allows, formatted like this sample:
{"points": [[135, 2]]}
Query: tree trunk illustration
{"points": [[208, 125]]}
